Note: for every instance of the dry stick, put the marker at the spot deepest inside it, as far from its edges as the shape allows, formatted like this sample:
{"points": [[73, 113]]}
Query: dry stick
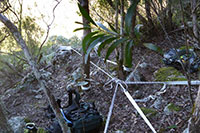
{"points": [[132, 73], [17, 36], [48, 27]]}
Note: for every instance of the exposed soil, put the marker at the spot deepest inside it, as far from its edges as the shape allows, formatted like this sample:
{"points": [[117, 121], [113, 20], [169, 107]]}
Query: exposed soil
{"points": [[29, 103]]}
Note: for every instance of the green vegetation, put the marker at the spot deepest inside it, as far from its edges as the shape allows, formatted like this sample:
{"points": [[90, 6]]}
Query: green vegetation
{"points": [[149, 111], [168, 74], [173, 107]]}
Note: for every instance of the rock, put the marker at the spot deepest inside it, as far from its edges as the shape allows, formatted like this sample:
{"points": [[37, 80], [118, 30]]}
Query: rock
{"points": [[78, 74], [62, 54], [17, 123], [134, 76], [144, 65], [45, 74], [158, 103], [38, 96], [186, 130], [138, 94], [167, 111]]}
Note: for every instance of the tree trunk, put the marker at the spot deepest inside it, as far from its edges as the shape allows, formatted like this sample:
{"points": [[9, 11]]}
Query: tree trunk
{"points": [[169, 7], [85, 5], [116, 26], [148, 15], [4, 126], [121, 58], [17, 36], [194, 20]]}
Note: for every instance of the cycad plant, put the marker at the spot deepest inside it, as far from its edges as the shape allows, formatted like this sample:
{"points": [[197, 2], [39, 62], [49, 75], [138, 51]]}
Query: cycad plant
{"points": [[109, 38]]}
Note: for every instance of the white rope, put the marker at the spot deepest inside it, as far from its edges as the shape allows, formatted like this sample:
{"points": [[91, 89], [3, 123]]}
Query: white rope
{"points": [[110, 109], [119, 82], [138, 108], [195, 82]]}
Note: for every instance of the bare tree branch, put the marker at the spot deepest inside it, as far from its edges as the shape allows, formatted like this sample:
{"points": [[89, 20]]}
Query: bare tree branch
{"points": [[3, 38], [7, 7], [13, 11], [49, 26]]}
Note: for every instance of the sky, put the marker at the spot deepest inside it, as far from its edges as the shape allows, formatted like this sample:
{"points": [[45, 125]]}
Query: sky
{"points": [[65, 15]]}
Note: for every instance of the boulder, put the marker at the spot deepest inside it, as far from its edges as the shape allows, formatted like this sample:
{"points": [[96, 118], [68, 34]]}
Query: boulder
{"points": [[17, 123]]}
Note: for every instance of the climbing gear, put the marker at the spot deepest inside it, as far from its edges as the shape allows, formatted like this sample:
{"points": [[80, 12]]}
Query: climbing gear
{"points": [[30, 128]]}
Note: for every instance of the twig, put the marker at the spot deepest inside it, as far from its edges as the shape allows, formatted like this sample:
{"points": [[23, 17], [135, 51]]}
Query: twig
{"points": [[132, 73], [7, 7], [13, 11], [48, 27], [3, 38]]}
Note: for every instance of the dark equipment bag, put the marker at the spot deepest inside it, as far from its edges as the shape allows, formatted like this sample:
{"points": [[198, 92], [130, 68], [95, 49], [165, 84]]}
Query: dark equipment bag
{"points": [[190, 60], [81, 117], [84, 116]]}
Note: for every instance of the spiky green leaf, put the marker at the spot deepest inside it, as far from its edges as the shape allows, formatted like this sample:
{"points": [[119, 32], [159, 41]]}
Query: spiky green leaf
{"points": [[83, 28], [128, 53], [104, 28], [94, 41], [85, 14], [112, 28], [153, 47], [107, 41], [113, 46], [87, 39], [129, 16]]}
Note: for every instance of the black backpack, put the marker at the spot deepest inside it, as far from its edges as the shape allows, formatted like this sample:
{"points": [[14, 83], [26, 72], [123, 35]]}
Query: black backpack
{"points": [[190, 60], [82, 117]]}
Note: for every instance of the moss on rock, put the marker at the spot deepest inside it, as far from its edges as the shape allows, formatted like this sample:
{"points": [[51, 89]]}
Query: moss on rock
{"points": [[168, 74]]}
